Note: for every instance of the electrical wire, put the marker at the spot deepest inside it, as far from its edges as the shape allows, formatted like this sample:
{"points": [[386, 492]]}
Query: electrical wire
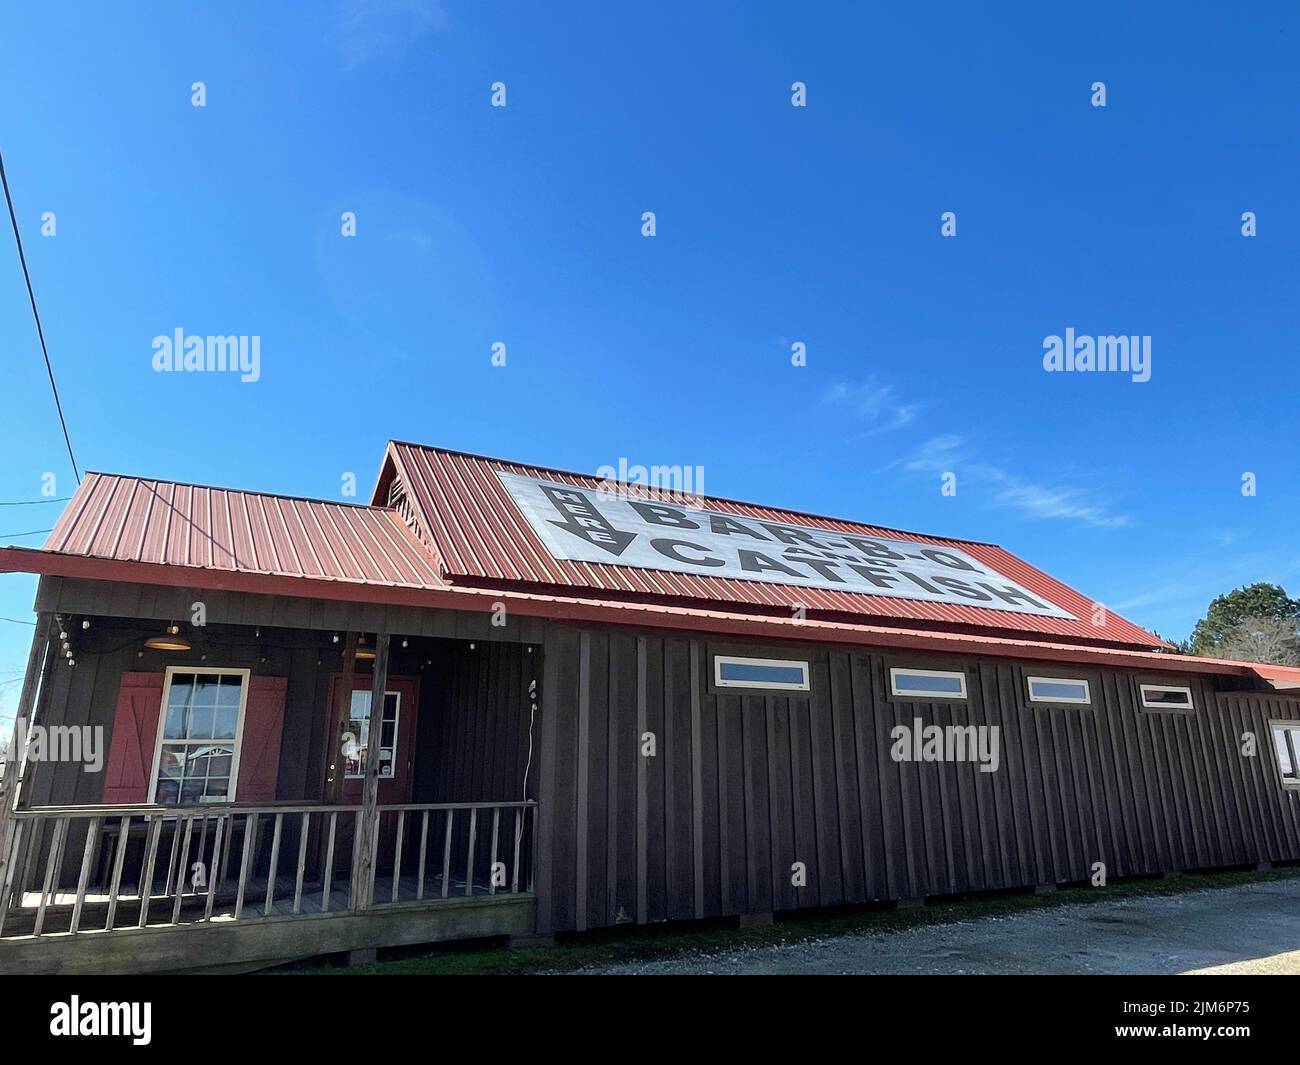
{"points": [[32, 502], [40, 331]]}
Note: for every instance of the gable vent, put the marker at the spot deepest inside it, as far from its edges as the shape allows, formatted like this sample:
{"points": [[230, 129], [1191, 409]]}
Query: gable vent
{"points": [[401, 502]]}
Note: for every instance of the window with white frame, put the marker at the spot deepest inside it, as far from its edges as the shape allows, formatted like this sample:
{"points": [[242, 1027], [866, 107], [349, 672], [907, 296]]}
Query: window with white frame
{"points": [[1166, 697], [357, 744], [197, 758], [1286, 745], [779, 674], [1058, 690], [927, 683]]}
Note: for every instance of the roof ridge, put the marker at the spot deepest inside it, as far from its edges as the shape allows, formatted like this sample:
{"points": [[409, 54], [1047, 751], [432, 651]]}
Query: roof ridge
{"points": [[697, 495], [236, 491]]}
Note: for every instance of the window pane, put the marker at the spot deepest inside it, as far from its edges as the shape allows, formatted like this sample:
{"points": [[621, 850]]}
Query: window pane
{"points": [[178, 699], [174, 727], [1045, 689], [1166, 696], [1283, 751], [774, 675], [205, 690], [355, 754], [918, 683], [199, 726], [749, 671], [228, 693], [227, 717], [171, 761]]}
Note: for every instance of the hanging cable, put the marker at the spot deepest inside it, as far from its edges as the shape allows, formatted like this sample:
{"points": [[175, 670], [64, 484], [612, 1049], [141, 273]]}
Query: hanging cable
{"points": [[32, 502], [40, 331]]}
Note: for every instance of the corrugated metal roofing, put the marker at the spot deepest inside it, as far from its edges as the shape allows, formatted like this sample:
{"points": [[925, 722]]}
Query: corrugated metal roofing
{"points": [[467, 517], [130, 519]]}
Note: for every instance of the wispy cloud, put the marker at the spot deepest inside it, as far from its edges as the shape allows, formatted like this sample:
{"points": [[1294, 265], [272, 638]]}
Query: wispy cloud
{"points": [[1055, 501], [1192, 580], [877, 405], [1034, 499], [365, 30]]}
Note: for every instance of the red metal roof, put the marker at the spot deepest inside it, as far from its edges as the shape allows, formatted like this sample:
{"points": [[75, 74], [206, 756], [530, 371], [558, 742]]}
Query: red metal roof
{"points": [[468, 519], [132, 529], [130, 519], [469, 543]]}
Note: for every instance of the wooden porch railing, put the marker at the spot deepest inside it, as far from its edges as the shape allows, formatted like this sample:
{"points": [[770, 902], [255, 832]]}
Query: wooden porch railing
{"points": [[78, 869]]}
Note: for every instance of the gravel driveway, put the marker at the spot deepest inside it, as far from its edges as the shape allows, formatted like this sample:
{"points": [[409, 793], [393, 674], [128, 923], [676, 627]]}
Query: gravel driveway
{"points": [[1253, 928]]}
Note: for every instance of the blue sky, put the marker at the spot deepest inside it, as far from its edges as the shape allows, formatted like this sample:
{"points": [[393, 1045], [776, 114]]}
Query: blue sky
{"points": [[775, 224]]}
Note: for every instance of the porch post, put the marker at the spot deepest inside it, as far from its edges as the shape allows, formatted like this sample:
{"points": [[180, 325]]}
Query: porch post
{"points": [[337, 724], [364, 891], [342, 703], [38, 662]]}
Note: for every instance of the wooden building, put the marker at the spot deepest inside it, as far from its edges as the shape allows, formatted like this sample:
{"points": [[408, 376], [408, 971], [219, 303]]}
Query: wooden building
{"points": [[602, 703]]}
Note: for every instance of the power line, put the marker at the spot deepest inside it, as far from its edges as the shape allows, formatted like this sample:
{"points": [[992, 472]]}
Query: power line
{"points": [[29, 532], [18, 621], [32, 502], [40, 331]]}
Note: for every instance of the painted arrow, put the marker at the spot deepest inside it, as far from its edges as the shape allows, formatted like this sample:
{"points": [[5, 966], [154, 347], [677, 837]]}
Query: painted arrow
{"points": [[582, 519]]}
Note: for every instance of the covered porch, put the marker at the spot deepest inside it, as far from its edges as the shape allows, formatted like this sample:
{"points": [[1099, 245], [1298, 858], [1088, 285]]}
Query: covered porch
{"points": [[84, 874], [245, 808]]}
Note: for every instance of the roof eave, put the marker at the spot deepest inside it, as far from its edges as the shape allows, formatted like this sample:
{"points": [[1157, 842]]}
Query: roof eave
{"points": [[575, 609]]}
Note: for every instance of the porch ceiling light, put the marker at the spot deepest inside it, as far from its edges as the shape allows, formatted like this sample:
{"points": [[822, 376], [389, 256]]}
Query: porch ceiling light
{"points": [[365, 653], [168, 643]]}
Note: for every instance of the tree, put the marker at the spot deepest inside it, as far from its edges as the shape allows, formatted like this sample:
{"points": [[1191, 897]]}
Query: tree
{"points": [[1242, 620], [1180, 647], [1275, 641]]}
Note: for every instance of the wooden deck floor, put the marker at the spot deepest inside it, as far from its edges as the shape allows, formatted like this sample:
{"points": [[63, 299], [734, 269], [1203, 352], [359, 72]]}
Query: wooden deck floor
{"points": [[58, 910], [256, 939]]}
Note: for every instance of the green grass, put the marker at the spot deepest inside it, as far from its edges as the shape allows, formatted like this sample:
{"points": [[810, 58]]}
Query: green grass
{"points": [[655, 942]]}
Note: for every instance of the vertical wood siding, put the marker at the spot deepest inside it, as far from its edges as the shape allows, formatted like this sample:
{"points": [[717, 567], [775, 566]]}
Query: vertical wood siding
{"points": [[742, 785], [472, 733]]}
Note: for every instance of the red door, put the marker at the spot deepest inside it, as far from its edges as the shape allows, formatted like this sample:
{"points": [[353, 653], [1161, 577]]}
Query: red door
{"points": [[397, 744]]}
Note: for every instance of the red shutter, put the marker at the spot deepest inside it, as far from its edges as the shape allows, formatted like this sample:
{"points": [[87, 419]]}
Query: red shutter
{"points": [[259, 744], [135, 732]]}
